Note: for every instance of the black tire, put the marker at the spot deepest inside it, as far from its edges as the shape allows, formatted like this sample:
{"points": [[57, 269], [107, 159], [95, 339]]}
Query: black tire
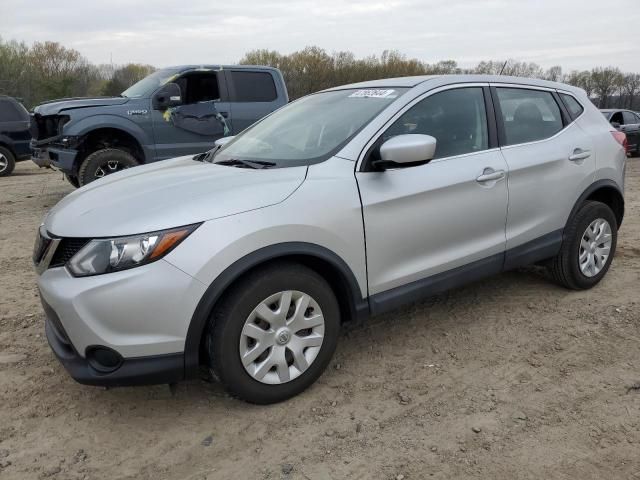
{"points": [[9, 163], [73, 180], [229, 316], [102, 161], [565, 267]]}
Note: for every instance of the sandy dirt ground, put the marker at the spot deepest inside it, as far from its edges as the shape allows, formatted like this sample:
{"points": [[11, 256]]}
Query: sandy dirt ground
{"points": [[510, 378]]}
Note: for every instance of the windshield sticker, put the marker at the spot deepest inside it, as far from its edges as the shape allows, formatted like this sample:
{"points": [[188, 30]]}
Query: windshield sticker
{"points": [[377, 93]]}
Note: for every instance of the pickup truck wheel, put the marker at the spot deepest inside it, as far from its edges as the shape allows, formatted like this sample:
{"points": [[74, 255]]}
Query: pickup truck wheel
{"points": [[588, 247], [104, 162], [7, 162], [273, 334], [72, 179]]}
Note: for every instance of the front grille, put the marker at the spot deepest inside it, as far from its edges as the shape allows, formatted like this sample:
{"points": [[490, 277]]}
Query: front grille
{"points": [[67, 248], [43, 127]]}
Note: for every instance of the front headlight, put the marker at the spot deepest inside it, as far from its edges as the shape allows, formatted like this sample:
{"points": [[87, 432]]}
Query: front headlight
{"points": [[106, 255]]}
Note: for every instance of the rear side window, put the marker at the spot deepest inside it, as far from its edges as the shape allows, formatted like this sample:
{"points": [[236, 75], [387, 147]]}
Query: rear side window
{"points": [[456, 118], [12, 112], [253, 86], [528, 115], [574, 107], [629, 118]]}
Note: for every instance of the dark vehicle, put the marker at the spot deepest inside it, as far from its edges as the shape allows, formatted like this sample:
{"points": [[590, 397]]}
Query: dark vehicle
{"points": [[172, 112], [14, 134], [628, 122]]}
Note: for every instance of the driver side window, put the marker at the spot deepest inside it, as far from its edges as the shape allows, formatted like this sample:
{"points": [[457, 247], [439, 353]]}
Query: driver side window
{"points": [[456, 118], [199, 87]]}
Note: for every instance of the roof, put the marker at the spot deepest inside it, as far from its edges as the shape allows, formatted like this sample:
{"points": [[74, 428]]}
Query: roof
{"points": [[448, 79], [216, 67]]}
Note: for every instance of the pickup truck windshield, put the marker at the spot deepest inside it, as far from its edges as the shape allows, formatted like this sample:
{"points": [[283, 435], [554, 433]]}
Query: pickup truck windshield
{"points": [[309, 130], [150, 83]]}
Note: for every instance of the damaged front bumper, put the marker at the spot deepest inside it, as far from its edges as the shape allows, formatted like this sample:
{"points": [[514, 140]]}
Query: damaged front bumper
{"points": [[54, 155]]}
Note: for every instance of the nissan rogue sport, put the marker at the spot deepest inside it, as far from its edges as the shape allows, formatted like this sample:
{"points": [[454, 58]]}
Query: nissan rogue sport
{"points": [[346, 203]]}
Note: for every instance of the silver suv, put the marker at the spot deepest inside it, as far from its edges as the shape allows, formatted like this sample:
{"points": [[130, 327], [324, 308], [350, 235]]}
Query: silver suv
{"points": [[345, 203]]}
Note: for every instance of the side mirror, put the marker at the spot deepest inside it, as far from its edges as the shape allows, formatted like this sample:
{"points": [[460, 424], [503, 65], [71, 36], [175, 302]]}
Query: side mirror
{"points": [[221, 142], [169, 95], [406, 151], [615, 125]]}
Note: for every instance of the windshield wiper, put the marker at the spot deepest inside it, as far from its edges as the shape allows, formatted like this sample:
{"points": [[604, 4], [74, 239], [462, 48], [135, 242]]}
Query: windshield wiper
{"points": [[236, 162], [207, 156]]}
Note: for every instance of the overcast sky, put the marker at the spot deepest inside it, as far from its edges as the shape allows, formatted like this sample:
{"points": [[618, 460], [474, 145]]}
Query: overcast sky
{"points": [[577, 34]]}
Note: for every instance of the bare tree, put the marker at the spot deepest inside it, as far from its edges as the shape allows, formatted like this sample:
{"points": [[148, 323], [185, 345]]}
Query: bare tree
{"points": [[605, 82]]}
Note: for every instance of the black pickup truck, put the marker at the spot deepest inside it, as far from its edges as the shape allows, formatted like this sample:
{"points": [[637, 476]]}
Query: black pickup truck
{"points": [[14, 134]]}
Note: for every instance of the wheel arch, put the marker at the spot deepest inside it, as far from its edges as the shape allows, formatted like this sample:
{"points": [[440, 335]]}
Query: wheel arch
{"points": [[109, 137], [8, 144], [607, 192], [320, 259]]}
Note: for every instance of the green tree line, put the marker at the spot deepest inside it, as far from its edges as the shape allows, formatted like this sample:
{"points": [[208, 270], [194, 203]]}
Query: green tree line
{"points": [[48, 70]]}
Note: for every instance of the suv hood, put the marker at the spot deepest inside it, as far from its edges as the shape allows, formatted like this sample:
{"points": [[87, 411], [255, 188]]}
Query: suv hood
{"points": [[57, 106], [168, 194]]}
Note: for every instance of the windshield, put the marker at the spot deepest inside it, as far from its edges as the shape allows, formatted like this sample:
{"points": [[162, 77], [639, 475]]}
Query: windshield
{"points": [[148, 84], [310, 129]]}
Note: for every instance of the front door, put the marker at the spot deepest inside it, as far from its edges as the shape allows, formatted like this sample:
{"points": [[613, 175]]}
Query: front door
{"points": [[444, 216], [194, 126]]}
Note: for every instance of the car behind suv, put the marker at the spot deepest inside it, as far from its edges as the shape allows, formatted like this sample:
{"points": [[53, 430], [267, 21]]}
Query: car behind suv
{"points": [[174, 111], [14, 134], [627, 122], [345, 203]]}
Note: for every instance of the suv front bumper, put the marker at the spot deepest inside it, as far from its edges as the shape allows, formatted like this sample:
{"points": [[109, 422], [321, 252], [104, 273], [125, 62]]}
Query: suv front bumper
{"points": [[156, 369], [141, 315]]}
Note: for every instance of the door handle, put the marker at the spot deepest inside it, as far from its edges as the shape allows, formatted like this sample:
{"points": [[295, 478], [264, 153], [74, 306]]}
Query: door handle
{"points": [[579, 154], [490, 175]]}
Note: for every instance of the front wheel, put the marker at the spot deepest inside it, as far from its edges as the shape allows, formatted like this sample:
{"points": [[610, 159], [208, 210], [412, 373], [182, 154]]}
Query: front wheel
{"points": [[104, 162], [72, 179], [588, 247], [273, 334]]}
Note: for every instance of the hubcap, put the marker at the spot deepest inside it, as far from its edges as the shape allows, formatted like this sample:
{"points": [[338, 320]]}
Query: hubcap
{"points": [[3, 162], [108, 167], [281, 337], [595, 247]]}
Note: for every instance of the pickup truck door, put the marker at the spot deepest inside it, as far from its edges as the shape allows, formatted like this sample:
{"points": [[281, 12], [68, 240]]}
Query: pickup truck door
{"points": [[253, 94], [194, 126]]}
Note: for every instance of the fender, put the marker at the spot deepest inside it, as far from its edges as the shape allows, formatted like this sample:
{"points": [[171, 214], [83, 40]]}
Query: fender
{"points": [[590, 190], [359, 306], [95, 122]]}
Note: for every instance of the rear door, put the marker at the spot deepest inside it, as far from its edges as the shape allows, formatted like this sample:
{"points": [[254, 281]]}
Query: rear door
{"points": [[551, 162], [424, 220], [252, 94], [14, 127]]}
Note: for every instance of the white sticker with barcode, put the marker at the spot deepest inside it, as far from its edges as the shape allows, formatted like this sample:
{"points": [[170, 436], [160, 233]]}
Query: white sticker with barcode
{"points": [[373, 93]]}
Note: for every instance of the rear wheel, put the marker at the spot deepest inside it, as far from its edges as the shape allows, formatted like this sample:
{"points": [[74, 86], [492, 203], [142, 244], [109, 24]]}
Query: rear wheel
{"points": [[7, 162], [104, 162], [273, 333], [588, 247]]}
